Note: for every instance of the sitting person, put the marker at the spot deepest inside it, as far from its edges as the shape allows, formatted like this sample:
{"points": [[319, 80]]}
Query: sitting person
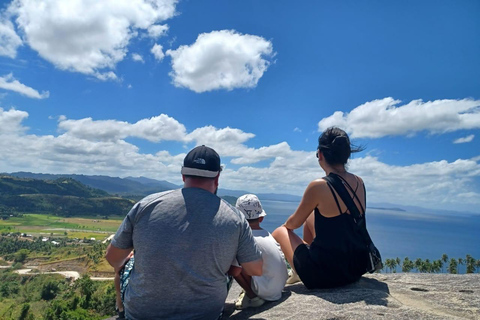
{"points": [[331, 253], [268, 286], [185, 241]]}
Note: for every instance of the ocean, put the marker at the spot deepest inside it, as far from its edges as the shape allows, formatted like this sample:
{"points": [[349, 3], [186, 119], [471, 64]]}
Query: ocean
{"points": [[404, 234]]}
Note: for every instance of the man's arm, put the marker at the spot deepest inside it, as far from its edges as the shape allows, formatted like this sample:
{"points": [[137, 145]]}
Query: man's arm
{"points": [[116, 256], [253, 268]]}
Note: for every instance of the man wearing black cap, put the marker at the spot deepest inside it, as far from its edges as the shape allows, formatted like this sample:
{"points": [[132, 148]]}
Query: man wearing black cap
{"points": [[185, 241]]}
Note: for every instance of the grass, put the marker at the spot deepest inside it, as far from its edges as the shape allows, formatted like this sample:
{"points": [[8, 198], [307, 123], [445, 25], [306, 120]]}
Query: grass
{"points": [[74, 227], [42, 224]]}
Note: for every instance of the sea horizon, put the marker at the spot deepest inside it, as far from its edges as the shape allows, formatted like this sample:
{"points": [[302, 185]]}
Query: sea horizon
{"points": [[402, 233]]}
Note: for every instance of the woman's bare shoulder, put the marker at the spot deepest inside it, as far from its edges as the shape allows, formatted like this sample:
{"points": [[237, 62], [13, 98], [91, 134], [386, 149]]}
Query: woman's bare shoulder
{"points": [[317, 183], [317, 186], [358, 178]]}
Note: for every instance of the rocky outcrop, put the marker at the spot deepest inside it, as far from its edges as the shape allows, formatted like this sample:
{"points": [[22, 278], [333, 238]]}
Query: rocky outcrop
{"points": [[377, 296]]}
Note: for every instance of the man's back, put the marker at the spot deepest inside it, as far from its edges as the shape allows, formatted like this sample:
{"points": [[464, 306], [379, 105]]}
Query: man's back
{"points": [[185, 241], [270, 284]]}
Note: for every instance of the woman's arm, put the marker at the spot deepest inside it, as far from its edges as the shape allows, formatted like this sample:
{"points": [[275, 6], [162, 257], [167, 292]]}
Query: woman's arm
{"points": [[308, 203]]}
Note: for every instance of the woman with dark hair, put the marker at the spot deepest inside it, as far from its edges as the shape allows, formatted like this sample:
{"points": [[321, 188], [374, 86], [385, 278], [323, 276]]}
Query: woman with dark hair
{"points": [[332, 253]]}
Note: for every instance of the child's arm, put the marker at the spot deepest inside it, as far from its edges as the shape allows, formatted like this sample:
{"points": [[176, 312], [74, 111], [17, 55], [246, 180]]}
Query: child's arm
{"points": [[235, 269]]}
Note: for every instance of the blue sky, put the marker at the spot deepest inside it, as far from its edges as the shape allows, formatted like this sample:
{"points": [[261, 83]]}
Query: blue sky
{"points": [[126, 88]]}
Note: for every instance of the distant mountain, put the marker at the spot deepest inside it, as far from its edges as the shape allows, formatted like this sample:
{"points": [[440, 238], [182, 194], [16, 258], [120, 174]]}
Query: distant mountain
{"points": [[62, 196], [262, 196], [14, 186], [157, 184], [422, 210], [113, 185], [137, 187]]}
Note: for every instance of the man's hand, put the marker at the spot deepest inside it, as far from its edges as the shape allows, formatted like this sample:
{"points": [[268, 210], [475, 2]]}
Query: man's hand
{"points": [[117, 257]]}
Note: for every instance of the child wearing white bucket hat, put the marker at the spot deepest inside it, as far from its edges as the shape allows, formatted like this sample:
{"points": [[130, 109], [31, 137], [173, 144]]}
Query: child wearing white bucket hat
{"points": [[268, 286]]}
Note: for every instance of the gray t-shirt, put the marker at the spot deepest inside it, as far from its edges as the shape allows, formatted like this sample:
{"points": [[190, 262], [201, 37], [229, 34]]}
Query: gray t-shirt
{"points": [[185, 241]]}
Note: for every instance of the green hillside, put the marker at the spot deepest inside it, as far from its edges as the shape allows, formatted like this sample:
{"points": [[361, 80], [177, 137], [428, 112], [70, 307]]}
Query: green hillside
{"points": [[62, 197]]}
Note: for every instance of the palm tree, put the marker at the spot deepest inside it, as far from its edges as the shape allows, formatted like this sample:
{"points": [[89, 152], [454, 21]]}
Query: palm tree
{"points": [[427, 265], [407, 265], [461, 262], [394, 264], [477, 265], [444, 258], [437, 266], [470, 262], [390, 263], [418, 264], [453, 266], [399, 262]]}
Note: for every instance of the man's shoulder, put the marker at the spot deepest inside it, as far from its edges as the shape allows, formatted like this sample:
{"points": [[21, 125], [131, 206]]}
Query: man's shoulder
{"points": [[159, 195], [225, 205]]}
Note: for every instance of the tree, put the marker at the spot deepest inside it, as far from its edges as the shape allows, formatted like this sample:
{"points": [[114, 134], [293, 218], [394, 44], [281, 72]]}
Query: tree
{"points": [[461, 262], [470, 262], [437, 266], [444, 259], [49, 290], [477, 265], [390, 263], [407, 265], [424, 266], [24, 313], [21, 255], [418, 264], [87, 288], [453, 266]]}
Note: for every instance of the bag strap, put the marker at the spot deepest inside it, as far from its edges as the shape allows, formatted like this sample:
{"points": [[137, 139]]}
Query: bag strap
{"points": [[345, 183], [338, 185]]}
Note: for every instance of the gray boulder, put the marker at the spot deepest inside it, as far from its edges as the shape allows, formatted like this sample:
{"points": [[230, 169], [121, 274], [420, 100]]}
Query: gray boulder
{"points": [[377, 296]]}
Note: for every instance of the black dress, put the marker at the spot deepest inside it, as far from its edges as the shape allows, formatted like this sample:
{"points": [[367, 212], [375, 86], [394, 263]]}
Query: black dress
{"points": [[337, 255]]}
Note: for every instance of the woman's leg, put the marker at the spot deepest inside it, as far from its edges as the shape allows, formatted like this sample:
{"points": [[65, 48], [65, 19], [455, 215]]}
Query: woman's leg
{"points": [[309, 229], [288, 241]]}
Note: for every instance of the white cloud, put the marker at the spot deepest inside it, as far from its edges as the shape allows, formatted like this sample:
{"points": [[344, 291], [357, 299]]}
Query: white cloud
{"points": [[157, 51], [8, 82], [379, 118], [10, 121], [155, 129], [9, 40], [465, 139], [222, 59], [297, 129], [99, 147], [426, 184], [137, 57], [157, 31], [86, 36]]}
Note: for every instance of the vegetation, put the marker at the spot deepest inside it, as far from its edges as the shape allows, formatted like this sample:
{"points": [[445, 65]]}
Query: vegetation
{"points": [[62, 197], [55, 223], [426, 266], [52, 297]]}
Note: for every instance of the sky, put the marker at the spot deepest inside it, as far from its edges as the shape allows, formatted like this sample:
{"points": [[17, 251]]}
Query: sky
{"points": [[127, 87]]}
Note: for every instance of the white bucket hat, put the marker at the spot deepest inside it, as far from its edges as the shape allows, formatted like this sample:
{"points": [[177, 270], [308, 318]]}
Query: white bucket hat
{"points": [[250, 206]]}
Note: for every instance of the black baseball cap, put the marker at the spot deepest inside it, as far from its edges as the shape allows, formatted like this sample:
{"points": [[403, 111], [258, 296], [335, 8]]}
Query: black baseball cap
{"points": [[202, 161]]}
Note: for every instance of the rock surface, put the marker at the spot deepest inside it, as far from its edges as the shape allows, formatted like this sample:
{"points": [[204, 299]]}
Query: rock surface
{"points": [[377, 296]]}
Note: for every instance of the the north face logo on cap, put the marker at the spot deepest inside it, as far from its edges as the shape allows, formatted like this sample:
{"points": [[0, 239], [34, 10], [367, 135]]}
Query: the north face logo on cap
{"points": [[199, 160]]}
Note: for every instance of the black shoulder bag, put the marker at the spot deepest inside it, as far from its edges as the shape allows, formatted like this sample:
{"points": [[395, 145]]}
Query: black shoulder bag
{"points": [[375, 260]]}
